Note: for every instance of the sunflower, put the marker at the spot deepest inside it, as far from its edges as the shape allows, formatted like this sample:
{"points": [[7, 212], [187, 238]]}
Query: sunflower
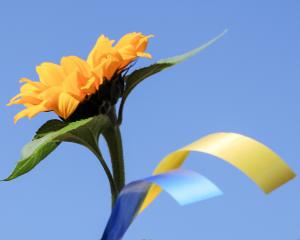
{"points": [[77, 87]]}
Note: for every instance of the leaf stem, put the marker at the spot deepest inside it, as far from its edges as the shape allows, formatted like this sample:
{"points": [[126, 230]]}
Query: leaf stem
{"points": [[113, 187]]}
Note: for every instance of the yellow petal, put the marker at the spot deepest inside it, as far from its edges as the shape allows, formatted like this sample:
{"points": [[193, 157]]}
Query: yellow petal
{"points": [[51, 93], [26, 100], [71, 85], [102, 47], [30, 112], [91, 86], [36, 109], [128, 53], [50, 74], [131, 46], [20, 115], [29, 89], [73, 63], [143, 43], [66, 105], [111, 66], [136, 39], [14, 99], [98, 71], [50, 97], [145, 55], [127, 39], [31, 85]]}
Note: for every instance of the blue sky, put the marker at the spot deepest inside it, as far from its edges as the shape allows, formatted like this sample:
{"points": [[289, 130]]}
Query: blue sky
{"points": [[247, 83]]}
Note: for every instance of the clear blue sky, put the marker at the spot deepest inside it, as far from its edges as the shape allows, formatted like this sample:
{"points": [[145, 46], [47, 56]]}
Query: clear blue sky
{"points": [[247, 83]]}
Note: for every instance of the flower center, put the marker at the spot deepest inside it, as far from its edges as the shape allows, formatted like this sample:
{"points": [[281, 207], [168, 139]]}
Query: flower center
{"points": [[102, 101]]}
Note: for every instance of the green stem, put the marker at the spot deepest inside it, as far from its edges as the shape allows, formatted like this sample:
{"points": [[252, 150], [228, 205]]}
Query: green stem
{"points": [[114, 141], [113, 187]]}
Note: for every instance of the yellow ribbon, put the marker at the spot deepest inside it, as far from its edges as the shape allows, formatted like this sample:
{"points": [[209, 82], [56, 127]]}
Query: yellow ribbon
{"points": [[253, 158]]}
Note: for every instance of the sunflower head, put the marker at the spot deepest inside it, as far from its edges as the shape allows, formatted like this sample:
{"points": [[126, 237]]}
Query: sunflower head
{"points": [[78, 88]]}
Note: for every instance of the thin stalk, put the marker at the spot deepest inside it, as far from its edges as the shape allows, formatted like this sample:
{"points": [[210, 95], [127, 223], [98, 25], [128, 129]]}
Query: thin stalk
{"points": [[114, 141], [113, 187]]}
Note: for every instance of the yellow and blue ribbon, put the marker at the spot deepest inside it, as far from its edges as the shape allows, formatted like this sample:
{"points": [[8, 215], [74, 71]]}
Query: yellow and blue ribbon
{"points": [[184, 186], [254, 159]]}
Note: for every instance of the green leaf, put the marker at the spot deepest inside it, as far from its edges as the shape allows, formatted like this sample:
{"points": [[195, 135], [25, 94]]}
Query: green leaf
{"points": [[139, 75], [51, 134], [87, 134], [50, 126]]}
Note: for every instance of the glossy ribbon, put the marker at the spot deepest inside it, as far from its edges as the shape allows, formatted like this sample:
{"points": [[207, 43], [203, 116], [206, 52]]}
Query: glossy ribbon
{"points": [[251, 157], [254, 159], [184, 186]]}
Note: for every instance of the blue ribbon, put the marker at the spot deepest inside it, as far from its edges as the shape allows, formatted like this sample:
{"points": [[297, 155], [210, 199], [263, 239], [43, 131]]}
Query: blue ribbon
{"points": [[185, 186]]}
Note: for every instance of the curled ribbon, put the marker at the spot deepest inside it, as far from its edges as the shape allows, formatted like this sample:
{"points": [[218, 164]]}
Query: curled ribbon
{"points": [[184, 186], [254, 159]]}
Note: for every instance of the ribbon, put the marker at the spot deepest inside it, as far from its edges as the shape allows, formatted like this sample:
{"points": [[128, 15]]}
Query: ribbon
{"points": [[254, 159], [185, 186]]}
